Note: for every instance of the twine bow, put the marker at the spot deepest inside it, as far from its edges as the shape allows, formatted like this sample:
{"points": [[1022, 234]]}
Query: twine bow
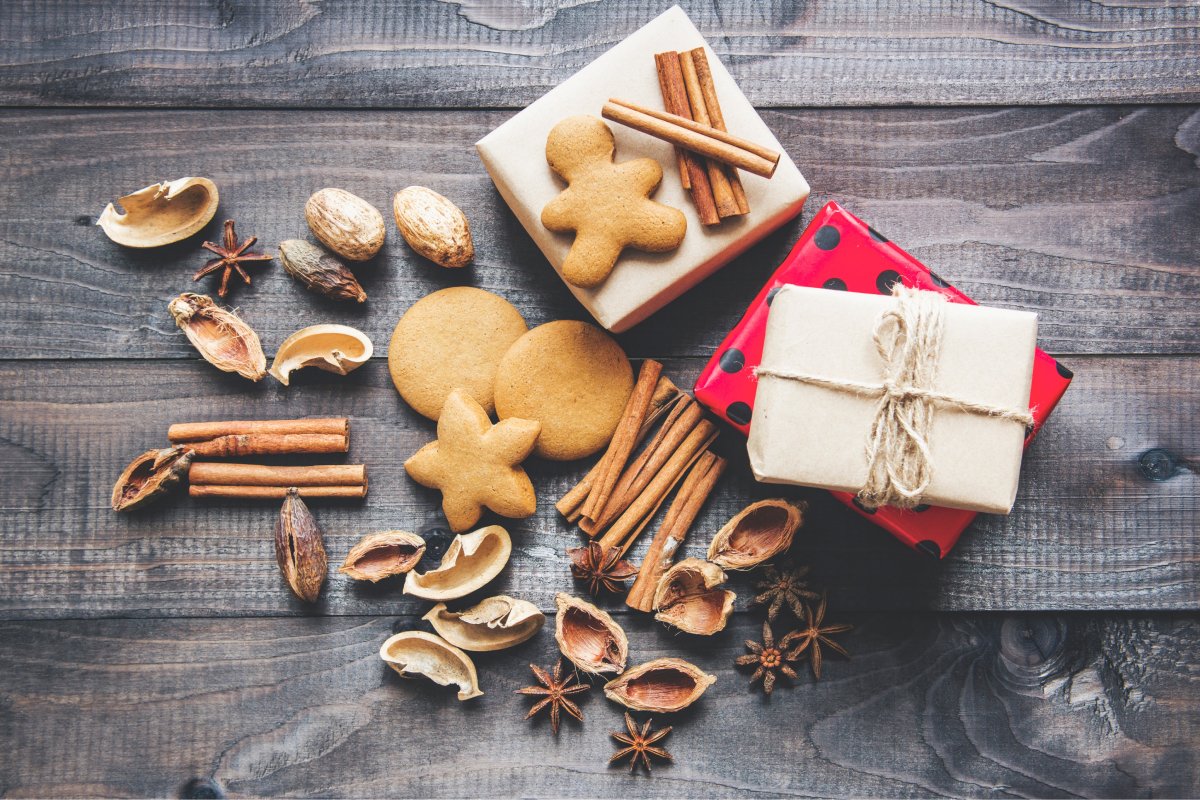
{"points": [[908, 338]]}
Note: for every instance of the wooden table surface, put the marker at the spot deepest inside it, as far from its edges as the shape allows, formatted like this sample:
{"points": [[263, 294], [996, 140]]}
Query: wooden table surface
{"points": [[1041, 155]]}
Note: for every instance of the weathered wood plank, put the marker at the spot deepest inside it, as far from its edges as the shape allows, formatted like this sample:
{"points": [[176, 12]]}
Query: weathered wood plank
{"points": [[1086, 216], [963, 706], [507, 53], [1089, 532]]}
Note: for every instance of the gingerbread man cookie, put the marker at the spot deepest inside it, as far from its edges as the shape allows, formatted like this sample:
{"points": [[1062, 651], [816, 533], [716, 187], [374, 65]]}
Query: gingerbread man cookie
{"points": [[606, 204], [476, 464]]}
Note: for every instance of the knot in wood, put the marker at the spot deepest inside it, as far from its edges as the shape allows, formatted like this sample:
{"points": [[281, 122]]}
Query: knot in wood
{"points": [[1157, 464]]}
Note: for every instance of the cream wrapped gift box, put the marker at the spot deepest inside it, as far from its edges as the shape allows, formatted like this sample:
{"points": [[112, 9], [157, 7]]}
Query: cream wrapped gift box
{"points": [[813, 435], [641, 283]]}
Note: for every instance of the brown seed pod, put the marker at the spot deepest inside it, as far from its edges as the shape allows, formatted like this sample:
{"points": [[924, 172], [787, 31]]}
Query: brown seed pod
{"points": [[433, 226], [161, 213], [150, 475], [471, 561], [382, 555], [419, 653], [757, 533], [493, 624], [300, 548], [589, 637], [345, 223], [688, 597], [662, 686], [319, 271], [225, 341]]}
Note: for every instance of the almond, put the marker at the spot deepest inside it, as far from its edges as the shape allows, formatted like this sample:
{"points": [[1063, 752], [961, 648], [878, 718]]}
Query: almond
{"points": [[433, 226], [345, 223]]}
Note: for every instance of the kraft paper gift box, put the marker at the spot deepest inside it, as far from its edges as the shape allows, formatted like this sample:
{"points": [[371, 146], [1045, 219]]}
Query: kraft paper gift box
{"points": [[641, 283], [815, 435]]}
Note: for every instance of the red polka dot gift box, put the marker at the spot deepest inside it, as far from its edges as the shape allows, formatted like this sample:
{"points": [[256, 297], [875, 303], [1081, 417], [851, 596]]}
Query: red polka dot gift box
{"points": [[840, 252]]}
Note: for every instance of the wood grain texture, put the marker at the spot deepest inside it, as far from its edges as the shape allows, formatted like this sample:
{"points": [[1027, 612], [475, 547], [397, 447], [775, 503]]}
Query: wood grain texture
{"points": [[1084, 215], [1089, 532], [373, 53], [964, 706]]}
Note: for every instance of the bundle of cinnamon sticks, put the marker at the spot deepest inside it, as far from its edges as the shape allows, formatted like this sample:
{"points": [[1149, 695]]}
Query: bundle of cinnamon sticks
{"points": [[622, 493]]}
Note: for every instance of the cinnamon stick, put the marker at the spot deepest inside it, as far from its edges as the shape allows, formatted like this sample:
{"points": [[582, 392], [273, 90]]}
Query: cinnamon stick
{"points": [[722, 192], [221, 473], [695, 489], [712, 106], [692, 172], [274, 492], [202, 431], [269, 444]]}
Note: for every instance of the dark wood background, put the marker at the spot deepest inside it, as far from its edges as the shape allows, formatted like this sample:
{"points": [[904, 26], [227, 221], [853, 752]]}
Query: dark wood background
{"points": [[1041, 155]]}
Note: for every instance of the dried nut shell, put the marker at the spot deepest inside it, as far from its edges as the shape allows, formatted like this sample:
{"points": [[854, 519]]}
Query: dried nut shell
{"points": [[757, 533], [225, 341], [150, 475], [589, 637], [161, 213], [471, 561], [300, 548], [345, 223], [687, 597], [433, 226], [334, 348], [493, 624], [662, 686], [319, 271], [419, 653], [382, 555]]}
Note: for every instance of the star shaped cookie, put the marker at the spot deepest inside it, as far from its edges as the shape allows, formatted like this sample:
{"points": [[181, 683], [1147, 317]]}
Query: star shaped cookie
{"points": [[476, 464]]}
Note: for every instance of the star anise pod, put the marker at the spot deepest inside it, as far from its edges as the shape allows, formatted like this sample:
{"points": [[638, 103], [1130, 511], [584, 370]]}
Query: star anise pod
{"points": [[604, 570], [230, 258], [770, 659], [813, 635], [784, 585], [554, 691], [640, 744]]}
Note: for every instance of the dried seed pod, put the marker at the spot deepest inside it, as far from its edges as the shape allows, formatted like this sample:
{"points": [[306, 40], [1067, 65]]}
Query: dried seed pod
{"points": [[420, 653], [345, 223], [493, 624], [433, 226], [688, 597], [225, 341], [471, 561], [382, 555], [334, 348], [589, 637], [319, 271], [161, 213], [662, 686], [300, 548], [150, 475], [757, 533]]}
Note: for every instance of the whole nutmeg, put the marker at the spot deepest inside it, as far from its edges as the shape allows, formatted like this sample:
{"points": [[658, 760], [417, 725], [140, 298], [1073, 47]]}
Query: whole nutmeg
{"points": [[345, 223], [433, 226]]}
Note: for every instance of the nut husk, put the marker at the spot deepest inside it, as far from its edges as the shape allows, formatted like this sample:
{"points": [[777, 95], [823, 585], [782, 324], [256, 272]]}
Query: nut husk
{"points": [[382, 555], [471, 561], [757, 533], [161, 213], [339, 349], [688, 597], [433, 226], [221, 337], [300, 548], [345, 223], [662, 686], [319, 271], [419, 653], [149, 476], [493, 624], [589, 637]]}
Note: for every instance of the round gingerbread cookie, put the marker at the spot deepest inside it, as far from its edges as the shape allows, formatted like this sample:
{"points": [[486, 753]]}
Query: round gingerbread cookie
{"points": [[452, 339], [571, 377]]}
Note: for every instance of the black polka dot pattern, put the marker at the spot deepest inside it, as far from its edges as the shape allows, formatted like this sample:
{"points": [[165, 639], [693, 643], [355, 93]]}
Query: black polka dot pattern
{"points": [[827, 237], [929, 548], [858, 504], [938, 280], [771, 294], [921, 507], [1066, 373], [876, 235], [834, 283], [739, 413], [732, 360], [886, 280]]}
